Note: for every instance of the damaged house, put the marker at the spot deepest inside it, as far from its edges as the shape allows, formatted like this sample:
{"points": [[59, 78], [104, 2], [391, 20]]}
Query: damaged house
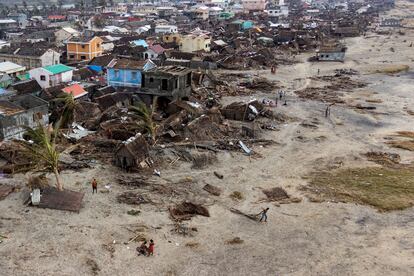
{"points": [[132, 152], [170, 82], [331, 52], [127, 73], [25, 110]]}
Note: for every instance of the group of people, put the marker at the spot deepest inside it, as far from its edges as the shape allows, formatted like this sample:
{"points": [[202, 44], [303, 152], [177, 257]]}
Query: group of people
{"points": [[145, 250]]}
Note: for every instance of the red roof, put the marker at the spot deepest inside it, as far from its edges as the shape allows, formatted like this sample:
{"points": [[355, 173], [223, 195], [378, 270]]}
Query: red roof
{"points": [[76, 90], [157, 49], [56, 17]]}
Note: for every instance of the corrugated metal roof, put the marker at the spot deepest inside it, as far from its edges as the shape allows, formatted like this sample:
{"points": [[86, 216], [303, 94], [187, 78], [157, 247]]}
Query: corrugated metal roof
{"points": [[58, 68]]}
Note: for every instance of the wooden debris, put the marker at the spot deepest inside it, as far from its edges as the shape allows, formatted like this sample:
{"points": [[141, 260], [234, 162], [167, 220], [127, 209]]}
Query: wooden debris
{"points": [[5, 190], [212, 189], [186, 210], [132, 198], [250, 216]]}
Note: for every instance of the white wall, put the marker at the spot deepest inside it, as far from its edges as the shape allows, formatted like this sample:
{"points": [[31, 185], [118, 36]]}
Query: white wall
{"points": [[36, 73], [50, 57]]}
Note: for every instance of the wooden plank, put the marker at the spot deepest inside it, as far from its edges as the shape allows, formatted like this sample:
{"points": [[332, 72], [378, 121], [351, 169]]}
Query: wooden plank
{"points": [[61, 200], [5, 190]]}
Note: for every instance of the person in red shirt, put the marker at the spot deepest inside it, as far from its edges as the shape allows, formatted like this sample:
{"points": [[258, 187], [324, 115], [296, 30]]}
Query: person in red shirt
{"points": [[151, 248]]}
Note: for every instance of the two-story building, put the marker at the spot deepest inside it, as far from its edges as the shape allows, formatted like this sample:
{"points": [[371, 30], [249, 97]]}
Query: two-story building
{"points": [[127, 73], [196, 41], [170, 82], [84, 48], [53, 75]]}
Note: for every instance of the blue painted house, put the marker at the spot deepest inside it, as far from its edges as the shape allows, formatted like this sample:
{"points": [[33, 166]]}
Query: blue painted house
{"points": [[127, 73]]}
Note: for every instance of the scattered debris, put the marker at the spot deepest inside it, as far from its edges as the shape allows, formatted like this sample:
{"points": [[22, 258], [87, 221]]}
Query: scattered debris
{"points": [[236, 195], [5, 190], [212, 189], [234, 241], [132, 198], [383, 158], [133, 212], [186, 210]]}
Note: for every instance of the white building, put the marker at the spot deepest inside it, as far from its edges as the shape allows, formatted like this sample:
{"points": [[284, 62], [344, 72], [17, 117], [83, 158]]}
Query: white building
{"points": [[11, 69], [53, 75], [65, 34], [166, 29]]}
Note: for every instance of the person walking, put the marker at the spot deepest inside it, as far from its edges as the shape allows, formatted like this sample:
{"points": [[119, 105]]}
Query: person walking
{"points": [[263, 215], [94, 186]]}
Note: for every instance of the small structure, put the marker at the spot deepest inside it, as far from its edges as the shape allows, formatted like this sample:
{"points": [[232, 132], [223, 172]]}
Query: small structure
{"points": [[76, 90], [11, 69], [131, 152], [65, 34], [391, 23], [171, 82], [52, 75], [25, 110], [331, 53]]}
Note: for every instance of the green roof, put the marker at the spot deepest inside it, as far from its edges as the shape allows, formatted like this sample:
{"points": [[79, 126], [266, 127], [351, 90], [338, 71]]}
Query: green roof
{"points": [[58, 68]]}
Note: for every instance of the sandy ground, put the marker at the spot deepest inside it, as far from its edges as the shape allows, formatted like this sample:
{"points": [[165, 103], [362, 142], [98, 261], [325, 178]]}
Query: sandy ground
{"points": [[299, 239]]}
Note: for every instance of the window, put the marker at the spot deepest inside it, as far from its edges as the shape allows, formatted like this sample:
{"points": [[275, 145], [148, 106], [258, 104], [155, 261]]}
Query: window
{"points": [[71, 56], [164, 84], [176, 83], [37, 116], [116, 73], [83, 57], [134, 75], [43, 78], [151, 79], [98, 45], [83, 46]]}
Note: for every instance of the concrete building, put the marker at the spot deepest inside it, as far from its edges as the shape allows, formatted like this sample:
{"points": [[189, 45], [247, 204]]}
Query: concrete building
{"points": [[65, 34], [11, 69], [196, 41], [170, 82], [84, 48], [30, 56], [25, 110], [50, 76], [254, 5], [331, 53], [127, 73], [166, 29]]}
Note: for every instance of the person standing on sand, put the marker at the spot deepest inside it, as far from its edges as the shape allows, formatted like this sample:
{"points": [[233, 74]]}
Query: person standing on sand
{"points": [[151, 248], [94, 186], [263, 215]]}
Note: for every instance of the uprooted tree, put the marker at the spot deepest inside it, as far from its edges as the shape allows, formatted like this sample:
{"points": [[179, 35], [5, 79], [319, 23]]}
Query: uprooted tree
{"points": [[42, 147], [145, 115]]}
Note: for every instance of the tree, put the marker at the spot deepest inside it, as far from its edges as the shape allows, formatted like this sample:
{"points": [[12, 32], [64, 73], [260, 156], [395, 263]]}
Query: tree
{"points": [[68, 112], [102, 3], [145, 115], [42, 147]]}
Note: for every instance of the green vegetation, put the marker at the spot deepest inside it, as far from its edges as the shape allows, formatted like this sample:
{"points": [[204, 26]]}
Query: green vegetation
{"points": [[386, 189]]}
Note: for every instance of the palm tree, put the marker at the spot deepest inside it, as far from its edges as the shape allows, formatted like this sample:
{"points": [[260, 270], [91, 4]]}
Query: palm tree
{"points": [[68, 113], [145, 115], [43, 148]]}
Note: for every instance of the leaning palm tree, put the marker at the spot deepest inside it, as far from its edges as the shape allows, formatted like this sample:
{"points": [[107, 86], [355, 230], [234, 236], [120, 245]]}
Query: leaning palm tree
{"points": [[68, 113], [145, 115], [42, 147]]}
